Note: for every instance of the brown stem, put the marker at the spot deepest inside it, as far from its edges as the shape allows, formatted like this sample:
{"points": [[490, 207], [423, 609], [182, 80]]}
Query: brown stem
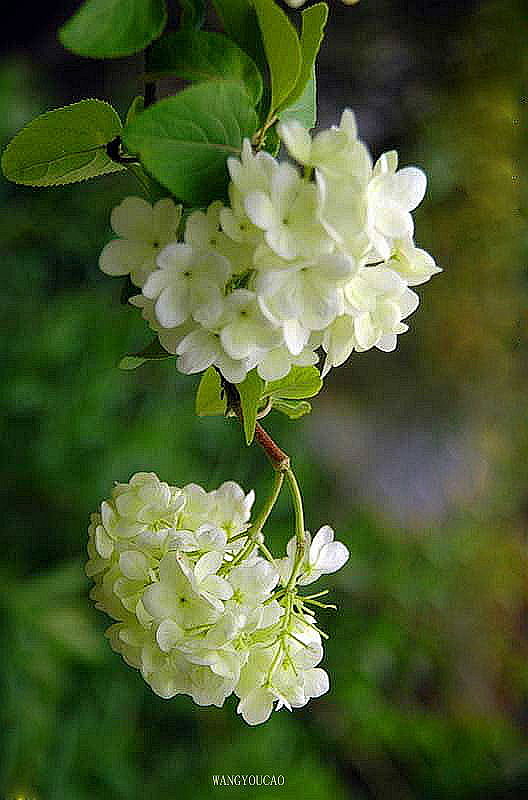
{"points": [[280, 460]]}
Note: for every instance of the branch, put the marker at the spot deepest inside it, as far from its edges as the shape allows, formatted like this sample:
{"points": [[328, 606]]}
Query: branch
{"points": [[280, 460]]}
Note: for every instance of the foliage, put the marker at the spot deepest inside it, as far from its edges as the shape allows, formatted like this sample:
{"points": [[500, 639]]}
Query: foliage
{"points": [[427, 697]]}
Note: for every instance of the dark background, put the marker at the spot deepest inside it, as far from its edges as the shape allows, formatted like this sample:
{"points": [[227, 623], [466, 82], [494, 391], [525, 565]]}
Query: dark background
{"points": [[419, 458]]}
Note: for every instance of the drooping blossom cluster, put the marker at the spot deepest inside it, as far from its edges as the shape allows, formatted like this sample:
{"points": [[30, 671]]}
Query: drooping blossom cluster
{"points": [[199, 611], [317, 255]]}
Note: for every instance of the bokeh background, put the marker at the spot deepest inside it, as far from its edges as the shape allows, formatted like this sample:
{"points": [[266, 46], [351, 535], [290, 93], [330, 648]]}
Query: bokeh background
{"points": [[418, 458]]}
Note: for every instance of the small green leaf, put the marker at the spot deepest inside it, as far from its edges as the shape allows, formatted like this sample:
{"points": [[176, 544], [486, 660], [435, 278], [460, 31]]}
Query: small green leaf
{"points": [[299, 383], [292, 409], [64, 146], [239, 21], [113, 28], [250, 391], [283, 50], [192, 14], [203, 56], [313, 25], [209, 399], [152, 352], [184, 141], [304, 110]]}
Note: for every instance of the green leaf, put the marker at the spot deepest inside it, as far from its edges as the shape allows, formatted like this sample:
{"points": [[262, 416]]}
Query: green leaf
{"points": [[299, 383], [63, 146], [304, 110], [113, 28], [313, 25], [152, 352], [203, 56], [184, 141], [239, 21], [292, 409], [283, 50], [209, 399], [250, 391], [192, 14]]}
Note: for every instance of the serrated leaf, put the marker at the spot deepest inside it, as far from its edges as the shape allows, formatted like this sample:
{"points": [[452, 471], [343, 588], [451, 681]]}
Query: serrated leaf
{"points": [[283, 50], [113, 28], [209, 399], [313, 25], [239, 21], [203, 56], [250, 391], [152, 352], [304, 110], [299, 383], [64, 146], [292, 409], [184, 141]]}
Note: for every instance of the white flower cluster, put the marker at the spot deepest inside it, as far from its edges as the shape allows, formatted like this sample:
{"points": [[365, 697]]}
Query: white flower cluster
{"points": [[299, 260], [198, 610]]}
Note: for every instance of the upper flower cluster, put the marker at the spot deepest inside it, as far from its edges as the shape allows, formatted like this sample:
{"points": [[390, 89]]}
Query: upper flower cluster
{"points": [[300, 259], [198, 610]]}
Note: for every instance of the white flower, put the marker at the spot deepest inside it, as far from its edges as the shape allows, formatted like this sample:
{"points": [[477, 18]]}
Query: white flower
{"points": [[379, 300], [338, 342], [245, 329], [336, 152], [413, 264], [203, 231], [168, 674], [197, 611], [343, 214], [287, 213], [306, 290], [169, 338], [392, 194], [204, 580], [252, 584], [276, 363], [232, 508], [187, 282], [202, 348], [278, 271], [144, 230], [291, 684], [253, 171], [323, 557], [174, 597], [204, 539]]}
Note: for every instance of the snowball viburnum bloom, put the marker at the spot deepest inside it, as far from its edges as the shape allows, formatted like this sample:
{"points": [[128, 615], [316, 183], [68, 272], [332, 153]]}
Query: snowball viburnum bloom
{"points": [[144, 230], [197, 609], [187, 283], [323, 557], [379, 300], [287, 213], [392, 194], [288, 265]]}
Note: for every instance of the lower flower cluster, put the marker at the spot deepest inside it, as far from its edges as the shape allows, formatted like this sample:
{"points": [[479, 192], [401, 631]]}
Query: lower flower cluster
{"points": [[201, 606]]}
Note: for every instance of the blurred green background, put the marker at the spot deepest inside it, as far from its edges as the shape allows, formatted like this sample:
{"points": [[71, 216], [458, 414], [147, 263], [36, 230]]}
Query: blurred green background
{"points": [[419, 458]]}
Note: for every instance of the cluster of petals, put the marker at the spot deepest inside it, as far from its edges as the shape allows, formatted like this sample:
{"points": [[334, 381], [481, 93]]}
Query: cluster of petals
{"points": [[196, 608], [316, 256]]}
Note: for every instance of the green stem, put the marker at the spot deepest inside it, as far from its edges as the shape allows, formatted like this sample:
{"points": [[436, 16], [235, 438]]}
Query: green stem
{"points": [[259, 523], [300, 533]]}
